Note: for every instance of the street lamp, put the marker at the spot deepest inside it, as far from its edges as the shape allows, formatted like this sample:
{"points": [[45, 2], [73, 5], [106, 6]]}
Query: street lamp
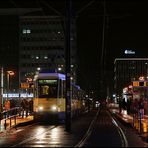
{"points": [[9, 73]]}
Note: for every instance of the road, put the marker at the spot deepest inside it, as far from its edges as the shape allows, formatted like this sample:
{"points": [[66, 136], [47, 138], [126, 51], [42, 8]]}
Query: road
{"points": [[98, 128], [106, 132]]}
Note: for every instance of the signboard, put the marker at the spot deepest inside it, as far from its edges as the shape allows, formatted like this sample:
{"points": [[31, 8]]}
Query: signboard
{"points": [[47, 81], [139, 83], [129, 52], [25, 85]]}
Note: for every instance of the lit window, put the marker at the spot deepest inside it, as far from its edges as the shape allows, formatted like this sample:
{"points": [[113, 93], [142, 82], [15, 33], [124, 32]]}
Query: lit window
{"points": [[45, 57], [28, 31], [24, 31]]}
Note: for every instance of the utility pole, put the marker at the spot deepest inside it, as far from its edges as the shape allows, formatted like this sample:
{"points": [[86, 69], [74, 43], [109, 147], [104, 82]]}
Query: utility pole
{"points": [[1, 91], [68, 71]]}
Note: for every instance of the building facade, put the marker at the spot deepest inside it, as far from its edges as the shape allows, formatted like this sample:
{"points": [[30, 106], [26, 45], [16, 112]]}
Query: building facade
{"points": [[42, 45], [127, 70]]}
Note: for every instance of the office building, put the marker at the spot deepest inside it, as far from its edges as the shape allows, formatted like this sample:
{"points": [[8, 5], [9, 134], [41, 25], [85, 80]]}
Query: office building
{"points": [[42, 45], [127, 70]]}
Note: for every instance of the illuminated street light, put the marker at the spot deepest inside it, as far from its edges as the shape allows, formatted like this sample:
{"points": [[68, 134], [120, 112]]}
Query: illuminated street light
{"points": [[38, 69], [29, 79], [59, 68], [141, 78], [11, 73]]}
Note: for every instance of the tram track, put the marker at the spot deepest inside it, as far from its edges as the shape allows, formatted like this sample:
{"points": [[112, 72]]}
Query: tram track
{"points": [[83, 141], [124, 141], [88, 132]]}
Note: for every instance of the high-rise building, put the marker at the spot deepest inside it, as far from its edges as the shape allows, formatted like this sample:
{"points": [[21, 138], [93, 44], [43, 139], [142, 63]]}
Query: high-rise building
{"points": [[40, 39], [42, 45], [127, 70]]}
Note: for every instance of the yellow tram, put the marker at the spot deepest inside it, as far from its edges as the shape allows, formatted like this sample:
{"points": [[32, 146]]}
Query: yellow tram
{"points": [[49, 97]]}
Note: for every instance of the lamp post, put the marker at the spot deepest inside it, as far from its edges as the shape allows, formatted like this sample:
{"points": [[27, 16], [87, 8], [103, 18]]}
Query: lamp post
{"points": [[9, 73]]}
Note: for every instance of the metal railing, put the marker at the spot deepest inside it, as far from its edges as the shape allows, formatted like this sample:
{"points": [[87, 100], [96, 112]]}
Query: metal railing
{"points": [[11, 116]]}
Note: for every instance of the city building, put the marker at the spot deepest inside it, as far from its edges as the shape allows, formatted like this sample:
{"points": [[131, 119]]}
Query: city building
{"points": [[127, 70], [42, 45], [36, 41]]}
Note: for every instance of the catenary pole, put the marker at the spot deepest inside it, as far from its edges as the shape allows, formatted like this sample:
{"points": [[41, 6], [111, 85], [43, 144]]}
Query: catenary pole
{"points": [[67, 55]]}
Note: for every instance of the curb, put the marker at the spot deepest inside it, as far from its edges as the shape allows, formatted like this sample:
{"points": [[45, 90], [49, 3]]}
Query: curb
{"points": [[24, 123], [122, 120]]}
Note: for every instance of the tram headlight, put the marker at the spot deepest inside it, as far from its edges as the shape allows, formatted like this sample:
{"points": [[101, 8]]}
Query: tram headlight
{"points": [[40, 108], [54, 108]]}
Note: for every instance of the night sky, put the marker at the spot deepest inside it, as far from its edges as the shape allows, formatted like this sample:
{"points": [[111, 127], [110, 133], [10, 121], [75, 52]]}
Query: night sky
{"points": [[126, 26]]}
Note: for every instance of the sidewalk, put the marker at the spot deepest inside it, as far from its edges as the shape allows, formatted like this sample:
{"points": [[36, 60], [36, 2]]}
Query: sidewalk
{"points": [[11, 123], [131, 120]]}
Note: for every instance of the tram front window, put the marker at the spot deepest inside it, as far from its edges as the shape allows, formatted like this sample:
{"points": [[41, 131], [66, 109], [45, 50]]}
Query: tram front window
{"points": [[47, 88]]}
